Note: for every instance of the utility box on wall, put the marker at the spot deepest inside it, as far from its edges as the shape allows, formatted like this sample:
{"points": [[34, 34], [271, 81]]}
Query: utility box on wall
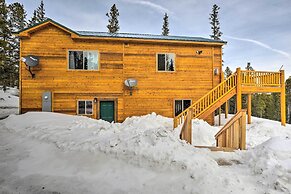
{"points": [[47, 101]]}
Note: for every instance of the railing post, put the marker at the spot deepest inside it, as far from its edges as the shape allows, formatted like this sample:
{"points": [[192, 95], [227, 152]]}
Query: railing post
{"points": [[283, 98], [238, 90], [249, 108], [174, 122]]}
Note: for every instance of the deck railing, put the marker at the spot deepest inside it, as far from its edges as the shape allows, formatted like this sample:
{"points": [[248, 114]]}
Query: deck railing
{"points": [[256, 79], [233, 134], [260, 78]]}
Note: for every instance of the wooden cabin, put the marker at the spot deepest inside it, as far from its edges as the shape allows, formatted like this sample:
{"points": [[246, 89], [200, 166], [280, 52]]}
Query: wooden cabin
{"points": [[84, 73]]}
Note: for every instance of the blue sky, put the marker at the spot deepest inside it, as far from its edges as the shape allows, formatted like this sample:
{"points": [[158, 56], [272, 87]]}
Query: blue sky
{"points": [[256, 31]]}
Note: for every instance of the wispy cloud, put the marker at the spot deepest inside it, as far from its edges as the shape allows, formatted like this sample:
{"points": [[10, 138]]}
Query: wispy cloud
{"points": [[260, 44], [152, 5]]}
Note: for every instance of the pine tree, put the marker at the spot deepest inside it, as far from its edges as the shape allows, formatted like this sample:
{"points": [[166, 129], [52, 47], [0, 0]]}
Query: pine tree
{"points": [[232, 100], [244, 96], [288, 99], [38, 15], [33, 19], [227, 72], [5, 49], [259, 105], [165, 28], [214, 22], [40, 12], [113, 26], [17, 21]]}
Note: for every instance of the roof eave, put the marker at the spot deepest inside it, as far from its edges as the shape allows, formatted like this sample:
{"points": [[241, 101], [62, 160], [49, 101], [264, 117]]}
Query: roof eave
{"points": [[27, 31], [221, 43]]}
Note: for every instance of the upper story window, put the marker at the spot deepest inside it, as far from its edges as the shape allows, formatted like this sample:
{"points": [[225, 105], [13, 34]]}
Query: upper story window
{"points": [[166, 62], [83, 60]]}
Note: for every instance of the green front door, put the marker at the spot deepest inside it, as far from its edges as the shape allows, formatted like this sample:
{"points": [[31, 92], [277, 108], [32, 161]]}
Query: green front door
{"points": [[107, 110]]}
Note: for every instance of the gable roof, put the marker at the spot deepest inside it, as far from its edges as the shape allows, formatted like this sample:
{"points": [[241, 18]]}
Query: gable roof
{"points": [[83, 34]]}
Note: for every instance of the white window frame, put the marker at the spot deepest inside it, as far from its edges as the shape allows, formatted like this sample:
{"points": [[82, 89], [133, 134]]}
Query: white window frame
{"points": [[157, 62], [85, 107], [73, 50]]}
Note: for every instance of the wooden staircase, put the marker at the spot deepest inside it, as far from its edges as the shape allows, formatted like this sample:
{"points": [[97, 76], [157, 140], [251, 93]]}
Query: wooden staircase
{"points": [[240, 82]]}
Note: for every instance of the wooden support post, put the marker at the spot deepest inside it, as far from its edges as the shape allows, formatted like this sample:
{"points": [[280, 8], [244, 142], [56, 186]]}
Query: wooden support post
{"points": [[238, 90], [283, 98], [219, 117], [249, 108], [174, 123], [226, 109], [186, 131]]}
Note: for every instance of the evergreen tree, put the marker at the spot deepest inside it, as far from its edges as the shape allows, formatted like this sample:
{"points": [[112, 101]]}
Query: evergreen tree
{"points": [[33, 19], [227, 72], [232, 100], [113, 26], [244, 96], [214, 22], [17, 21], [5, 49], [17, 16], [40, 12], [288, 99], [38, 15], [165, 28], [258, 105]]}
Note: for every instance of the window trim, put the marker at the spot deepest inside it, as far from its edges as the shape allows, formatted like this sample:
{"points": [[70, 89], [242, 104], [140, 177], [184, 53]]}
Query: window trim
{"points": [[157, 65], [85, 106], [182, 104], [68, 60]]}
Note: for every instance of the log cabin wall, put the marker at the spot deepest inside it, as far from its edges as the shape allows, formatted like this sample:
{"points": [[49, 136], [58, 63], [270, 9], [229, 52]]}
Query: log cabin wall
{"points": [[118, 60]]}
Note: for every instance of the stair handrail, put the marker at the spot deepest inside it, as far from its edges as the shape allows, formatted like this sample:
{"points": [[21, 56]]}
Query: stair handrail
{"points": [[231, 80], [240, 141]]}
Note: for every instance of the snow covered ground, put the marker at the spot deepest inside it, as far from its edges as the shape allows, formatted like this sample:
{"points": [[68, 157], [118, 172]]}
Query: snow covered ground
{"points": [[55, 153], [8, 102]]}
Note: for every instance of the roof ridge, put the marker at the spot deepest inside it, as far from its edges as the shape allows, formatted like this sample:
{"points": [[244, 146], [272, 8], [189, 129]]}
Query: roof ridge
{"points": [[136, 33]]}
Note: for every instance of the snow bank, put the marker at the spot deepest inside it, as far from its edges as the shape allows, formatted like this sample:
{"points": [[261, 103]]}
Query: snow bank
{"points": [[146, 140], [203, 133], [9, 98], [150, 142], [263, 129], [271, 160]]}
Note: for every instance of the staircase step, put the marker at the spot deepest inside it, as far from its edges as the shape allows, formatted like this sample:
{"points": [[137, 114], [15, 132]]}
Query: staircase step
{"points": [[216, 149]]}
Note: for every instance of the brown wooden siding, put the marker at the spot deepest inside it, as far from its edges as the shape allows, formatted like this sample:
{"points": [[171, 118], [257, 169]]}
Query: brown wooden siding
{"points": [[156, 91]]}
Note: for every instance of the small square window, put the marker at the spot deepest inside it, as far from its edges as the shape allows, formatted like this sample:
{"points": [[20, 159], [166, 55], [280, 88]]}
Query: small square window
{"points": [[85, 107], [166, 62]]}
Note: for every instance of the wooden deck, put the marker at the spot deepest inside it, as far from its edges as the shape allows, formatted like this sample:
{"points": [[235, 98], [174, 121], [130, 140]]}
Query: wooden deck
{"points": [[241, 82]]}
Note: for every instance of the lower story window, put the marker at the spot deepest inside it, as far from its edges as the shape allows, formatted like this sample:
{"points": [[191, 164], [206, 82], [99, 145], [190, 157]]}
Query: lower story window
{"points": [[181, 105], [85, 107]]}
